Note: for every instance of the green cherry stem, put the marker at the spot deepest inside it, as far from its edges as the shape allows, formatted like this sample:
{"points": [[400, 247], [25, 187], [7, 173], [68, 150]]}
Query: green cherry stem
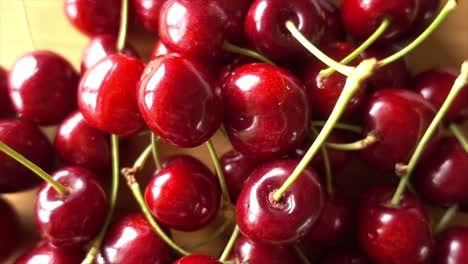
{"points": [[123, 26], [448, 8], [363, 71], [341, 126], [406, 170], [326, 164], [34, 168], [246, 52], [219, 171], [154, 148], [301, 255], [141, 160], [458, 133], [370, 139], [213, 236], [343, 69], [230, 244], [446, 219]]}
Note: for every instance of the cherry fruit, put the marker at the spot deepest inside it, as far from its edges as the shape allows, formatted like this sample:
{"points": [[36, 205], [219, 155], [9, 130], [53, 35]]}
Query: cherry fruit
{"points": [[46, 253], [159, 50], [9, 228], [452, 246], [148, 12], [6, 108], [333, 28]]}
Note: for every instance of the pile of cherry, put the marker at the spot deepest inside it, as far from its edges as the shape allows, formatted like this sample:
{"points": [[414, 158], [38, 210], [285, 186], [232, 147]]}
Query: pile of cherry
{"points": [[239, 67]]}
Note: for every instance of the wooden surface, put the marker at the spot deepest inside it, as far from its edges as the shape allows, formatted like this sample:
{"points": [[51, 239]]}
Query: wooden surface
{"points": [[448, 46]]}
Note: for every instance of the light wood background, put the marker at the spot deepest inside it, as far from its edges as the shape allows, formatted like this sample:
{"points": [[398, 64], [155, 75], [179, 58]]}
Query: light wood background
{"points": [[448, 46]]}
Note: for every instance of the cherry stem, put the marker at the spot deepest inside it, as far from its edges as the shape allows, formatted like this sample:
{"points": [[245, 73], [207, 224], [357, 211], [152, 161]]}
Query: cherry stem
{"points": [[347, 127], [301, 255], [448, 8], [246, 52], [96, 246], [370, 139], [154, 148], [28, 25], [363, 71], [141, 160], [123, 26], [219, 171], [230, 244], [406, 170], [326, 163], [213, 236], [343, 69], [34, 168], [365, 45], [458, 133], [446, 219]]}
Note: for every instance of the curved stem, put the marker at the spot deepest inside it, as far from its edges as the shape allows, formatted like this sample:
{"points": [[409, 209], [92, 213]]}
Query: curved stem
{"points": [[446, 218], [366, 44], [28, 25], [461, 81], [154, 147], [123, 26], [213, 236], [347, 127], [343, 69], [370, 139], [326, 164], [230, 244], [219, 171], [141, 160], [448, 8], [362, 72], [246, 52], [458, 133], [34, 168], [301, 255]]}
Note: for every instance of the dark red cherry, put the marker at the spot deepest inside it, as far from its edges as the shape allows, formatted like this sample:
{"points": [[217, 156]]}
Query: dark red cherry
{"points": [[101, 46], [30, 142], [42, 87], [72, 220], [107, 95], [401, 118], [361, 18], [426, 14], [267, 111], [93, 17], [265, 27], [331, 16], [10, 230], [262, 219], [133, 240], [435, 84], [180, 114], [6, 108], [78, 144], [185, 195], [148, 13], [452, 246], [390, 234], [159, 50], [236, 12], [197, 259], [344, 256], [46, 253]]}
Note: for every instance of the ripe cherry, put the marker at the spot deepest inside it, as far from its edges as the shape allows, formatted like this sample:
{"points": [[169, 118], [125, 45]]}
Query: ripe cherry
{"points": [[452, 246], [10, 230], [197, 259], [236, 12], [159, 50], [6, 108], [148, 13], [42, 87], [46, 253], [344, 256], [331, 16]]}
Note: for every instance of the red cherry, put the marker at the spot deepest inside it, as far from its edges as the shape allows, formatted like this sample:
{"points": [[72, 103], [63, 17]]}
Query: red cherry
{"points": [[231, 66], [46, 253], [42, 87], [344, 256], [197, 259], [107, 95], [331, 16], [148, 12], [73, 220], [6, 108], [180, 115], [262, 219], [426, 14], [452, 246], [10, 230], [267, 111], [30, 142], [236, 12], [159, 50], [78, 144], [133, 240], [185, 195], [394, 234]]}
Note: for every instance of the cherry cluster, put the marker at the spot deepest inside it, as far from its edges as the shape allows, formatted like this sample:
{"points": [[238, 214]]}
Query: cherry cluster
{"points": [[295, 86]]}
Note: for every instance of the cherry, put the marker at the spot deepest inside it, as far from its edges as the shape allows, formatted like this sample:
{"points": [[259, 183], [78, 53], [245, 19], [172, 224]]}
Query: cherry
{"points": [[159, 50], [331, 16], [42, 87], [267, 111], [236, 12], [400, 117], [394, 234], [235, 63], [78, 144], [30, 142], [46, 253], [435, 84], [9, 228], [107, 95], [94, 17], [6, 108], [344, 256], [99, 47], [180, 116], [426, 14], [452, 246], [185, 195], [197, 259], [263, 219], [148, 12], [133, 240], [265, 27], [72, 220]]}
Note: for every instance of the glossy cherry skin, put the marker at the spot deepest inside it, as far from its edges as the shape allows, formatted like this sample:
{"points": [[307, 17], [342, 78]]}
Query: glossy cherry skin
{"points": [[99, 47], [262, 219], [181, 115], [394, 234], [107, 95], [78, 144], [435, 84], [344, 256], [159, 50], [197, 259], [267, 111], [29, 141], [236, 12], [133, 240], [46, 253], [426, 14], [73, 220], [361, 18], [42, 87], [9, 228], [148, 13], [6, 108], [452, 246], [185, 195], [265, 27], [331, 16], [401, 118], [94, 17]]}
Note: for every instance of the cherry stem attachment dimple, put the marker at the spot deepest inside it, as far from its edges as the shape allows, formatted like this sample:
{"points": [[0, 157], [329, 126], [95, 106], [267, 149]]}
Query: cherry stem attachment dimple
{"points": [[362, 72], [213, 236], [219, 171], [34, 168], [123, 26], [458, 133], [154, 148], [246, 52], [370, 139], [446, 219], [343, 69], [326, 164], [230, 244], [341, 126], [460, 82]]}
